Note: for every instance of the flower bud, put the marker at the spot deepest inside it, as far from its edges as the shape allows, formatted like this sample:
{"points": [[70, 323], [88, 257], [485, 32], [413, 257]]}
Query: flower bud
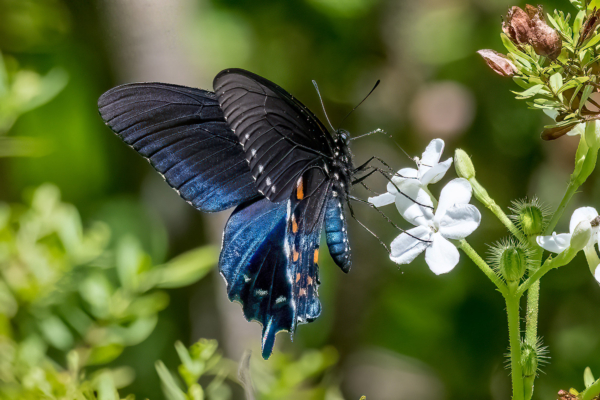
{"points": [[513, 263], [530, 27], [581, 236], [530, 218], [463, 164], [529, 360], [498, 62]]}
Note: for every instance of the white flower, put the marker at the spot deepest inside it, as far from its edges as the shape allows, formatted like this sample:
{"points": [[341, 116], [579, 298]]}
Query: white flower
{"points": [[453, 219], [584, 218], [430, 170], [557, 243]]}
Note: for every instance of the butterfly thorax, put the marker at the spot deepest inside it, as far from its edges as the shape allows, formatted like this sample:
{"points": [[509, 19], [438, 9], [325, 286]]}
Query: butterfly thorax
{"points": [[342, 164]]}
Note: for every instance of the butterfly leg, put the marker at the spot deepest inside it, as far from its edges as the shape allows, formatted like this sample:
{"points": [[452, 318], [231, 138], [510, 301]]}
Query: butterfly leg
{"points": [[366, 165], [366, 228], [386, 176]]}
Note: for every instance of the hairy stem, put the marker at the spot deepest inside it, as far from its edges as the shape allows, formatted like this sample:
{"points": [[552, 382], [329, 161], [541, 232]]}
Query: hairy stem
{"points": [[483, 266], [514, 334]]}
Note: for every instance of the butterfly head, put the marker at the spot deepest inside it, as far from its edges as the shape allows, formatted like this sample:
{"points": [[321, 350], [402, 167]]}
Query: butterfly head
{"points": [[343, 136]]}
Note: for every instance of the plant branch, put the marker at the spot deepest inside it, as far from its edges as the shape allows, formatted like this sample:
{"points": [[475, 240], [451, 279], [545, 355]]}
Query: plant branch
{"points": [[482, 195], [483, 266]]}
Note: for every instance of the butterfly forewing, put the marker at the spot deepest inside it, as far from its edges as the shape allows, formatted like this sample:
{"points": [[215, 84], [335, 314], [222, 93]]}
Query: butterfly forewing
{"points": [[280, 136], [183, 133]]}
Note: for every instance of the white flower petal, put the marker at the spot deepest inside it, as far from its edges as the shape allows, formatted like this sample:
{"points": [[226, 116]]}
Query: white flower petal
{"points": [[442, 256], [582, 214], [555, 243], [414, 203], [405, 248], [437, 172], [401, 176], [382, 199], [597, 274], [579, 129], [457, 191], [433, 152], [459, 221]]}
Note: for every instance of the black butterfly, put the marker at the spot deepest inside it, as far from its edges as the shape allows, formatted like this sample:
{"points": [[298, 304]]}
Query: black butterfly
{"points": [[252, 145]]}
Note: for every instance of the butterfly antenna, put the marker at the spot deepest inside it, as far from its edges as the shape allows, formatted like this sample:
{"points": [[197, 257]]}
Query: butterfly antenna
{"points": [[363, 100], [404, 151], [378, 130], [322, 104]]}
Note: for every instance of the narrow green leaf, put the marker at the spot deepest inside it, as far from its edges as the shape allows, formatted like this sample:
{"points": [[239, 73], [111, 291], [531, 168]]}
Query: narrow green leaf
{"points": [[529, 92], [170, 387], [591, 42], [585, 95]]}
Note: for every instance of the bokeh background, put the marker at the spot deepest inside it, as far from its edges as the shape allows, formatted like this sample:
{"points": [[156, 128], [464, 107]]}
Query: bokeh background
{"points": [[395, 333]]}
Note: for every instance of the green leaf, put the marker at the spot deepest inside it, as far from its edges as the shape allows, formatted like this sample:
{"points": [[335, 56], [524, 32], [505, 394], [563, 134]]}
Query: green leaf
{"points": [[170, 387], [184, 269], [591, 42], [585, 95], [579, 4], [104, 354], [577, 24], [573, 83], [556, 82], [532, 91], [588, 377], [510, 46]]}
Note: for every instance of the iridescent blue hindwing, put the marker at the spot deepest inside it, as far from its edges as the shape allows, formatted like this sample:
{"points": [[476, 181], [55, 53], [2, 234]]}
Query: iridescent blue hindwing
{"points": [[269, 259], [183, 133]]}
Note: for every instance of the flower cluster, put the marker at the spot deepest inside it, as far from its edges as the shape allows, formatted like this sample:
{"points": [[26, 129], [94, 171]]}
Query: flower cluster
{"points": [[435, 227], [555, 60]]}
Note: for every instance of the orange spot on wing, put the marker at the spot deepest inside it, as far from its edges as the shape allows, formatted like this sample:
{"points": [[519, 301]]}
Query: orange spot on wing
{"points": [[300, 189], [309, 280], [316, 256], [294, 224], [302, 292], [295, 255], [298, 277]]}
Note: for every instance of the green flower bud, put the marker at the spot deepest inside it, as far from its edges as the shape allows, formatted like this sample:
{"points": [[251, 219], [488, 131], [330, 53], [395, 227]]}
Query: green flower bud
{"points": [[513, 263], [529, 360], [581, 236], [531, 220], [463, 164]]}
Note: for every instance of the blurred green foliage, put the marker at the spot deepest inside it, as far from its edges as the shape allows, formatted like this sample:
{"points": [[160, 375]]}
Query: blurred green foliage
{"points": [[65, 296]]}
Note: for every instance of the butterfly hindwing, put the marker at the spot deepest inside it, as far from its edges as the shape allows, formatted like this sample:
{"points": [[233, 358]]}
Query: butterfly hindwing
{"points": [[183, 133], [270, 254], [280, 136]]}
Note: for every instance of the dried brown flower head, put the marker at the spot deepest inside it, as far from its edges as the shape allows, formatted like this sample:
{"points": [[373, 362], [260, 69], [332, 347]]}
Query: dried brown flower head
{"points": [[530, 27]]}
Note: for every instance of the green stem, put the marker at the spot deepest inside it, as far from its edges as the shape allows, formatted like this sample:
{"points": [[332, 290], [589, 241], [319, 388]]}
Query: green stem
{"points": [[514, 333], [482, 195], [483, 266], [571, 189], [531, 319]]}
